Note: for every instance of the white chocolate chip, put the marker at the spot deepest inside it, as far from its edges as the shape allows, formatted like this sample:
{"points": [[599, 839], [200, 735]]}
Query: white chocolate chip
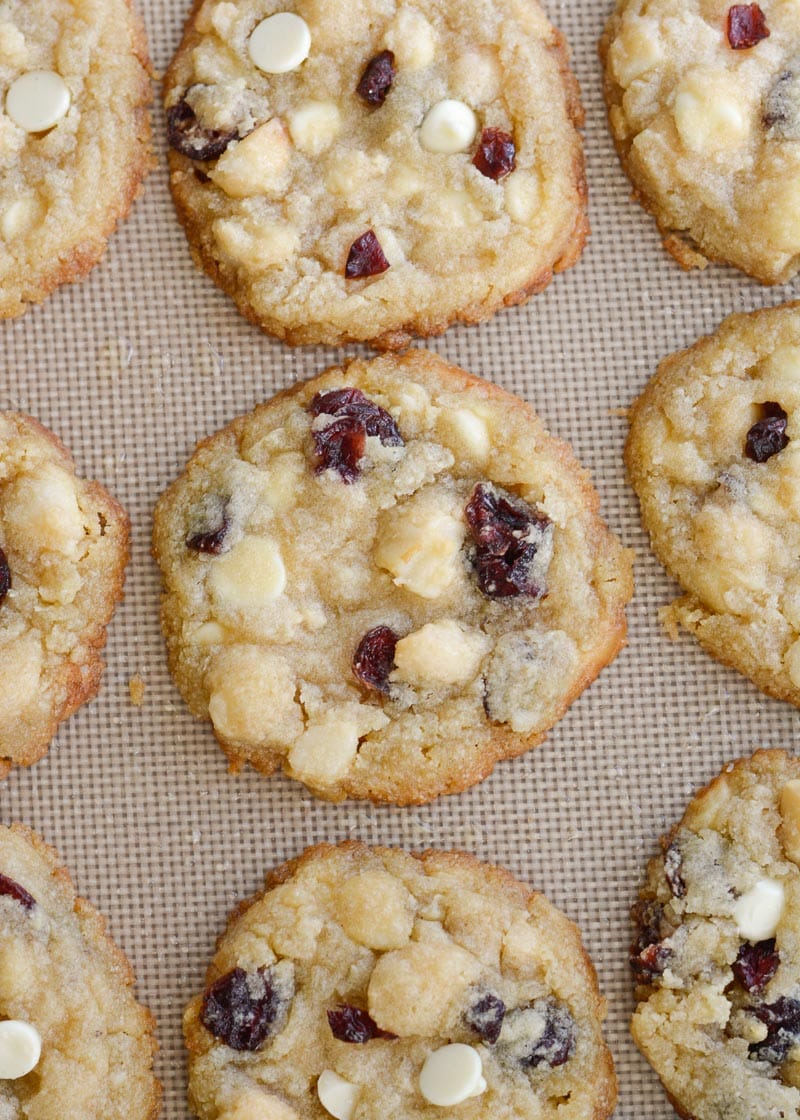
{"points": [[758, 912], [414, 991], [38, 100], [19, 217], [251, 695], [440, 653], [13, 49], [337, 1096], [635, 51], [791, 662], [280, 43], [466, 432], [255, 165], [255, 1104], [420, 546], [523, 196], [43, 507], [20, 1048], [449, 126], [324, 752], [412, 39], [452, 1074], [209, 634], [376, 910], [268, 247], [252, 574], [314, 126], [709, 113]]}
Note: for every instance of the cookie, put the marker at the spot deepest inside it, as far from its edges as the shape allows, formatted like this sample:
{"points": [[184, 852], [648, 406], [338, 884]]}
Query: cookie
{"points": [[712, 454], [63, 551], [704, 105], [74, 138], [378, 171], [716, 954], [366, 982], [73, 1040], [385, 579]]}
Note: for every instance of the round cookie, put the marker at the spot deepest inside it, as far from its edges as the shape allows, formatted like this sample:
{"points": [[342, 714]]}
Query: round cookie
{"points": [[74, 138], [712, 454], [367, 983], [704, 105], [73, 1040], [376, 172], [63, 551], [717, 955], [385, 579]]}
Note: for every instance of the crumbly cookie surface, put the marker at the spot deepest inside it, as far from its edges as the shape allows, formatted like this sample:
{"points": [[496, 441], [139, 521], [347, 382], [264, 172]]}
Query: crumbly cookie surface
{"points": [[704, 105], [357, 964], [287, 173], [716, 954], [61, 974], [375, 626], [74, 138], [63, 551], [713, 456]]}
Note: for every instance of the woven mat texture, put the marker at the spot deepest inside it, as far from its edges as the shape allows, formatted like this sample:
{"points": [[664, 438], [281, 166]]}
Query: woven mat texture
{"points": [[136, 364]]}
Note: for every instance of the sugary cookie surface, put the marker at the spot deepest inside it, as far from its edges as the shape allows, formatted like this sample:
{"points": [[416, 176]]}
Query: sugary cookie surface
{"points": [[714, 458], [704, 105], [368, 983], [63, 550], [386, 579], [74, 138], [716, 954], [73, 1040], [375, 170]]}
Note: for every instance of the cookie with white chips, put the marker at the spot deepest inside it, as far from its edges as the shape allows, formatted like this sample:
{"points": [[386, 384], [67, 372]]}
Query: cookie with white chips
{"points": [[366, 982], [74, 138], [376, 170], [73, 1040], [385, 579]]}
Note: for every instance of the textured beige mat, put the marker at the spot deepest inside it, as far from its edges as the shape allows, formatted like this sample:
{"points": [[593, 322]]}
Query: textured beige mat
{"points": [[134, 365]]}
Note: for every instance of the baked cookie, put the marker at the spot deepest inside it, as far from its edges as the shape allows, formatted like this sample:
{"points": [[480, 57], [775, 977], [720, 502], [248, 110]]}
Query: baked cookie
{"points": [[375, 171], [713, 458], [63, 551], [74, 138], [73, 1040], [367, 983], [704, 104], [716, 954], [386, 579]]}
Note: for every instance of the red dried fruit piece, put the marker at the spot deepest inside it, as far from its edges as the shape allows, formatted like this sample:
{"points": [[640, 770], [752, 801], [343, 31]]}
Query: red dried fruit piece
{"points": [[212, 540], [5, 576], [187, 136], [648, 954], [376, 81], [351, 1024], [556, 1044], [485, 1017], [341, 444], [782, 1020], [767, 436], [366, 258], [11, 888], [507, 534], [756, 964], [747, 25], [496, 155], [373, 660], [243, 1009]]}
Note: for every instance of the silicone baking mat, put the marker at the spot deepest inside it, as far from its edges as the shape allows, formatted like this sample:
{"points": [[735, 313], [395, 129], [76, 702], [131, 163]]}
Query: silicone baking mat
{"points": [[136, 364]]}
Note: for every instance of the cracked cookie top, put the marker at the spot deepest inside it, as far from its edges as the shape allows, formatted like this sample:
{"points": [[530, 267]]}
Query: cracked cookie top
{"points": [[385, 579]]}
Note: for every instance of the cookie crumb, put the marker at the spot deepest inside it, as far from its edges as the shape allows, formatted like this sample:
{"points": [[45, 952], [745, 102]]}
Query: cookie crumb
{"points": [[136, 688]]}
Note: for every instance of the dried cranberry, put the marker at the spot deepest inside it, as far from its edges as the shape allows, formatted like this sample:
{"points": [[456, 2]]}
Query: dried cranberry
{"points": [[485, 1017], [650, 962], [211, 540], [352, 402], [756, 964], [747, 26], [5, 576], [373, 660], [351, 1024], [496, 155], [14, 890], [187, 136], [507, 534], [672, 871], [768, 436], [782, 1020], [376, 81], [556, 1043], [243, 1009], [366, 258], [649, 956], [341, 444]]}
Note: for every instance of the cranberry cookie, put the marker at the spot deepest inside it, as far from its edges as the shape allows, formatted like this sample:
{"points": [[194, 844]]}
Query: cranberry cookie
{"points": [[73, 1040], [713, 458], [374, 171], [386, 579], [74, 138], [716, 954], [366, 983], [63, 551], [704, 105]]}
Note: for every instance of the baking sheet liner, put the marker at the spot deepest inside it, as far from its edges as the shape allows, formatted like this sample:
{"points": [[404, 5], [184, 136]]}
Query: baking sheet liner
{"points": [[136, 364]]}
